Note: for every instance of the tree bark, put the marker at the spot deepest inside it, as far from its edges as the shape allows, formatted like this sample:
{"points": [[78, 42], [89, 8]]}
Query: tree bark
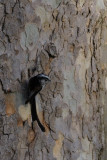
{"points": [[65, 39]]}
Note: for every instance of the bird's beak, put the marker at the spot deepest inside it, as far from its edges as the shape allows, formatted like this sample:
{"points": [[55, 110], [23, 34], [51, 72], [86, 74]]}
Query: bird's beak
{"points": [[49, 79]]}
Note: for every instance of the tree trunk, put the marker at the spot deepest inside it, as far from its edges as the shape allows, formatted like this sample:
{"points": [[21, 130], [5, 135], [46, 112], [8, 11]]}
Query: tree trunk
{"points": [[67, 40]]}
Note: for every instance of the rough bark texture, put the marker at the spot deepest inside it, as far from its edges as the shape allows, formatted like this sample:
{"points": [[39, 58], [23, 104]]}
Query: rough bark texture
{"points": [[67, 40]]}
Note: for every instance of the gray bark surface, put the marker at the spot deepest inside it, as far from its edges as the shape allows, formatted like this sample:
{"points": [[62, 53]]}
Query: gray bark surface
{"points": [[67, 40]]}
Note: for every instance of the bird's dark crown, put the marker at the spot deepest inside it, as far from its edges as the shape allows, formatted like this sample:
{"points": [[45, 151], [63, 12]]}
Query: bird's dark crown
{"points": [[43, 77]]}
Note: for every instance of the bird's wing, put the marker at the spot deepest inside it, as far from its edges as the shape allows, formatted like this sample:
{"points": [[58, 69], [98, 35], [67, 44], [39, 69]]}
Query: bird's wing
{"points": [[33, 81], [33, 94]]}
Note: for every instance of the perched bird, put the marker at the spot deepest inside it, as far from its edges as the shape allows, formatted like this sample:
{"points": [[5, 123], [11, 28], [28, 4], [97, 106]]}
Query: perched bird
{"points": [[35, 85]]}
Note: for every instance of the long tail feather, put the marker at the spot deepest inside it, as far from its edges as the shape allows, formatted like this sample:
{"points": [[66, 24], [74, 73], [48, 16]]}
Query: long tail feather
{"points": [[34, 114]]}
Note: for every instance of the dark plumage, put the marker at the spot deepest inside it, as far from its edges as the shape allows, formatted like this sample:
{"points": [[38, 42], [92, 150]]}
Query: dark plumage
{"points": [[35, 85]]}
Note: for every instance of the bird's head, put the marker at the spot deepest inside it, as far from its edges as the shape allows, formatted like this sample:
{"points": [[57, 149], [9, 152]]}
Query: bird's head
{"points": [[43, 79]]}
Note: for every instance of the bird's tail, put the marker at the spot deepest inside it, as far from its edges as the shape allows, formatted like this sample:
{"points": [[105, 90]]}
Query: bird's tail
{"points": [[34, 114]]}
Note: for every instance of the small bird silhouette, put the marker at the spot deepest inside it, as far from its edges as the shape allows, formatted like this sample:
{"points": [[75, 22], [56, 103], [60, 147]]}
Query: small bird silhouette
{"points": [[35, 85]]}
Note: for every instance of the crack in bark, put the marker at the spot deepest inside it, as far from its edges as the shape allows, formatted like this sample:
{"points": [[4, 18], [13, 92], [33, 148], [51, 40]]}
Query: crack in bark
{"points": [[3, 87]]}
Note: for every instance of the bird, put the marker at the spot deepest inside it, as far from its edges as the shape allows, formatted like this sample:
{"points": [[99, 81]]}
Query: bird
{"points": [[35, 85]]}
